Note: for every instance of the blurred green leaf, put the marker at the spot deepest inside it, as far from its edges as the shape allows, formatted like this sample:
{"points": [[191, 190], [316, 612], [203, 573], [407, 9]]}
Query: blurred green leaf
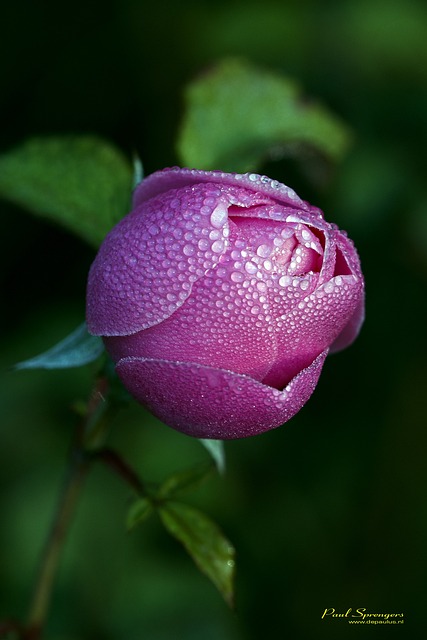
{"points": [[238, 115], [216, 450], [206, 544], [139, 511], [75, 350], [80, 182], [183, 481]]}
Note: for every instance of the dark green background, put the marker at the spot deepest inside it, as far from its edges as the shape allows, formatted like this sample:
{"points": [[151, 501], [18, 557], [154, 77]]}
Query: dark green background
{"points": [[328, 511]]}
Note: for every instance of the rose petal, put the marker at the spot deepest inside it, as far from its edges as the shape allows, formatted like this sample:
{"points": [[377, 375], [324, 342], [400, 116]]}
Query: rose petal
{"points": [[225, 323], [175, 177], [205, 402], [313, 325], [300, 220], [351, 330], [148, 263], [348, 261]]}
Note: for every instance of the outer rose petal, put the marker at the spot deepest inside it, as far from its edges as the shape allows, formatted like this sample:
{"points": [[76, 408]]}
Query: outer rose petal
{"points": [[351, 330], [176, 178], [313, 325], [215, 403], [147, 264], [203, 332]]}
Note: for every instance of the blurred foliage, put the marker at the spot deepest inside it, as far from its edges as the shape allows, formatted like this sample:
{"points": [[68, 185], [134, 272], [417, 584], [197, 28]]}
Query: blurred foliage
{"points": [[238, 115], [61, 177], [327, 511], [201, 537]]}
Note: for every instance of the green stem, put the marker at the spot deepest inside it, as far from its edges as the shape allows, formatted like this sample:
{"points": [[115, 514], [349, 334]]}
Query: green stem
{"points": [[116, 463], [78, 467], [91, 431]]}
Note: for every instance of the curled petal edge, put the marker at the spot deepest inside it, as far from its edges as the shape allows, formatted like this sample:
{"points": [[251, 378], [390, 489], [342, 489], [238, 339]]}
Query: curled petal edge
{"points": [[206, 402], [176, 177], [353, 326], [352, 329]]}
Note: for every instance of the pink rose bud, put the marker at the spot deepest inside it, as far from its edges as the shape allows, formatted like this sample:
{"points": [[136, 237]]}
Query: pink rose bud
{"points": [[219, 297]]}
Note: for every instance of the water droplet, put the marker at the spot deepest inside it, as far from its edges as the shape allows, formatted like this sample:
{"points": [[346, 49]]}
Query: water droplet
{"points": [[237, 276], [284, 281], [304, 284], [329, 287], [263, 251], [268, 265], [219, 216], [153, 229], [218, 246], [251, 267], [189, 250], [214, 235], [203, 244]]}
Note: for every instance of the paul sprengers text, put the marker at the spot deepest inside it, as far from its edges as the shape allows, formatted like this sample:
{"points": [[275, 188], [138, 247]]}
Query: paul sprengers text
{"points": [[362, 616]]}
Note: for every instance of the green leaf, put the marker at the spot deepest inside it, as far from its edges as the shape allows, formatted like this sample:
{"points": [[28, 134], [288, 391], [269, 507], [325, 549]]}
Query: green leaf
{"points": [[75, 350], [238, 115], [80, 182], [139, 511], [206, 544], [216, 450], [183, 481]]}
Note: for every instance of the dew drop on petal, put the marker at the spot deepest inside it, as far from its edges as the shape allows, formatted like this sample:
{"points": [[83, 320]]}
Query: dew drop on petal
{"points": [[329, 287], [268, 265], [284, 281], [203, 244], [153, 229], [251, 267], [263, 251], [218, 246], [237, 276], [304, 284], [219, 216], [214, 234]]}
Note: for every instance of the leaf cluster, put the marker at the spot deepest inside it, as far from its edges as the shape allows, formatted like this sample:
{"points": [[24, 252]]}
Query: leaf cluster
{"points": [[212, 552]]}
